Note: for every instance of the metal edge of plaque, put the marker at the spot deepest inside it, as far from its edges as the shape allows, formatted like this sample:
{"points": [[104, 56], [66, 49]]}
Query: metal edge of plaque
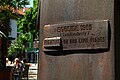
{"points": [[52, 42]]}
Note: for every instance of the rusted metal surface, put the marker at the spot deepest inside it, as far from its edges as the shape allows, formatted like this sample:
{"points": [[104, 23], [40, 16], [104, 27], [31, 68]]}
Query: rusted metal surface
{"points": [[81, 65]]}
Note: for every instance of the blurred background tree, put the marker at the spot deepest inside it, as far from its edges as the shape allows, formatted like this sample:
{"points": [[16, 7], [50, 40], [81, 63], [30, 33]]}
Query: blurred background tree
{"points": [[26, 27], [8, 10], [27, 24]]}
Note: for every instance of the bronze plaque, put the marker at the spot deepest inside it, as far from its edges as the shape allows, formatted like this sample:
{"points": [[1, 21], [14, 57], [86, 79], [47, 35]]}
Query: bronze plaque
{"points": [[79, 35], [52, 42]]}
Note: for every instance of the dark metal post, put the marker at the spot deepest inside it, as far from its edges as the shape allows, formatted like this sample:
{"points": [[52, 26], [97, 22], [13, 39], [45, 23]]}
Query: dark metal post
{"points": [[94, 62]]}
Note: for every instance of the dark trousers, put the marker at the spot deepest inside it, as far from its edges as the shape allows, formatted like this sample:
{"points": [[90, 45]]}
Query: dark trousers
{"points": [[16, 77]]}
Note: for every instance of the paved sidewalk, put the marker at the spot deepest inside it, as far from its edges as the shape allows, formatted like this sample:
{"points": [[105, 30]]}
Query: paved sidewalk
{"points": [[32, 74]]}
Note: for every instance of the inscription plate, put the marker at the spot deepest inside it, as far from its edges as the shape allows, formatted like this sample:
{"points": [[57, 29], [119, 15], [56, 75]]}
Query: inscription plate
{"points": [[52, 42], [80, 35]]}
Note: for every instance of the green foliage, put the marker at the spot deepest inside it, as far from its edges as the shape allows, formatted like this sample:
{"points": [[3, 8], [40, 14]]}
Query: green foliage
{"points": [[7, 7], [20, 44], [14, 3], [7, 12], [27, 23]]}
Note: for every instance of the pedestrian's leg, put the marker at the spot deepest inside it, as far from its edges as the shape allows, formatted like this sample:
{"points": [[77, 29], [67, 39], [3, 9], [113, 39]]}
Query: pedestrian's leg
{"points": [[16, 77]]}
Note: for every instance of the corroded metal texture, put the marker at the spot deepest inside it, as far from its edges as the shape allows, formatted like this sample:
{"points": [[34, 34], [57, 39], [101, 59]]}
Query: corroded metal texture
{"points": [[76, 65]]}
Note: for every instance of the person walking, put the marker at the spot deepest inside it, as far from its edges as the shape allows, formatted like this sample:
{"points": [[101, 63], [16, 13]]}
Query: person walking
{"points": [[17, 70]]}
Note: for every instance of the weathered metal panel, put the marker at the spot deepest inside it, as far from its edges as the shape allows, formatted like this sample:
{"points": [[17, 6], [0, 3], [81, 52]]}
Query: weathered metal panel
{"points": [[80, 65], [78, 35]]}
